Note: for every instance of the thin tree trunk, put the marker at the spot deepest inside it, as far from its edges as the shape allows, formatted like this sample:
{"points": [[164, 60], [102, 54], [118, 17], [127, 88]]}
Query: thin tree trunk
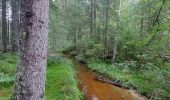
{"points": [[8, 22], [0, 33], [30, 77], [15, 26], [94, 12], [141, 26], [91, 19], [149, 16], [114, 50], [117, 31], [106, 22], [4, 27]]}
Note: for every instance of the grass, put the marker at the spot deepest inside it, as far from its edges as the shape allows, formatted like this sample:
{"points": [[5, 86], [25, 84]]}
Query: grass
{"points": [[152, 82], [7, 74], [60, 83]]}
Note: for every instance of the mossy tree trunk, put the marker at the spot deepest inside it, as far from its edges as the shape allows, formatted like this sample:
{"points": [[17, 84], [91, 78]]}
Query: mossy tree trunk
{"points": [[31, 69]]}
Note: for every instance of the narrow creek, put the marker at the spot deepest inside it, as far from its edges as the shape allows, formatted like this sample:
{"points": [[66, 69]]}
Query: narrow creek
{"points": [[95, 90]]}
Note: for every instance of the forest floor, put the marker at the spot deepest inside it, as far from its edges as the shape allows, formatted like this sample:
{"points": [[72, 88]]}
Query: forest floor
{"points": [[60, 84], [151, 82], [148, 80]]}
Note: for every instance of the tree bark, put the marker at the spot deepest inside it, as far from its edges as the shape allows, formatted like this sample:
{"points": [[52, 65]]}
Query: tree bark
{"points": [[30, 77], [15, 25], [91, 19], [117, 31], [4, 27], [114, 50], [141, 25], [106, 23], [94, 15]]}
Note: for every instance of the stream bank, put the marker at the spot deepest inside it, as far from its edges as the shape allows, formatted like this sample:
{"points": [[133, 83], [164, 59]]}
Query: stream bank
{"points": [[149, 80], [96, 90]]}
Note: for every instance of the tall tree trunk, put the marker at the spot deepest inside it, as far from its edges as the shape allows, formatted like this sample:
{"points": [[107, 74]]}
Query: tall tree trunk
{"points": [[15, 26], [8, 22], [117, 31], [106, 22], [0, 34], [8, 33], [30, 77], [4, 27], [141, 25], [94, 15], [149, 16], [91, 19]]}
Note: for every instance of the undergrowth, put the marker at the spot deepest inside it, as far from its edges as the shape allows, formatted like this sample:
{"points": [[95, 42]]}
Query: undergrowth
{"points": [[60, 82], [151, 81], [7, 74]]}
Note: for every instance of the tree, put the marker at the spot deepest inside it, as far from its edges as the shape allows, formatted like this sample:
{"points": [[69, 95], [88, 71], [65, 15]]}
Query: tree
{"points": [[15, 25], [30, 77], [106, 23], [91, 19], [4, 27], [118, 12], [0, 23], [156, 21]]}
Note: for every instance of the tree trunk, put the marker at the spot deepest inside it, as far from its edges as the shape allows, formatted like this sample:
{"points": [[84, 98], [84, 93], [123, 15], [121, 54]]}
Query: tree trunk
{"points": [[15, 26], [114, 50], [4, 27], [117, 31], [91, 20], [30, 77], [8, 33], [106, 22], [94, 12], [141, 25]]}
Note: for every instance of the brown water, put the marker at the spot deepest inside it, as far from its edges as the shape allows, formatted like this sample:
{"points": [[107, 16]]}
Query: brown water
{"points": [[95, 90]]}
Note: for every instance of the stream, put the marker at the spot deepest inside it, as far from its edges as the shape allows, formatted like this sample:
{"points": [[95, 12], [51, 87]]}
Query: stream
{"points": [[96, 90]]}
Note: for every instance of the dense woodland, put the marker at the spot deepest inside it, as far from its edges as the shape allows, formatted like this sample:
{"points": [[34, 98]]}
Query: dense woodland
{"points": [[123, 41]]}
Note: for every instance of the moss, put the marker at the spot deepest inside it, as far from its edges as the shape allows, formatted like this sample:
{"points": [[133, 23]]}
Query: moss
{"points": [[60, 84]]}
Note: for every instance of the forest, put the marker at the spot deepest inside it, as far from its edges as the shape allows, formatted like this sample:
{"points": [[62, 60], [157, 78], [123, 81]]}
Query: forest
{"points": [[84, 49]]}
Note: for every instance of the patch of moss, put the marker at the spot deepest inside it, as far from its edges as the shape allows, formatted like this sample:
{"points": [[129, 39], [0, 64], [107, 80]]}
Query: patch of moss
{"points": [[61, 83]]}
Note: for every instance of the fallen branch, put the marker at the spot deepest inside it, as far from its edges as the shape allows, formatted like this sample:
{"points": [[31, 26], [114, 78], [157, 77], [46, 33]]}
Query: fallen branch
{"points": [[105, 80]]}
